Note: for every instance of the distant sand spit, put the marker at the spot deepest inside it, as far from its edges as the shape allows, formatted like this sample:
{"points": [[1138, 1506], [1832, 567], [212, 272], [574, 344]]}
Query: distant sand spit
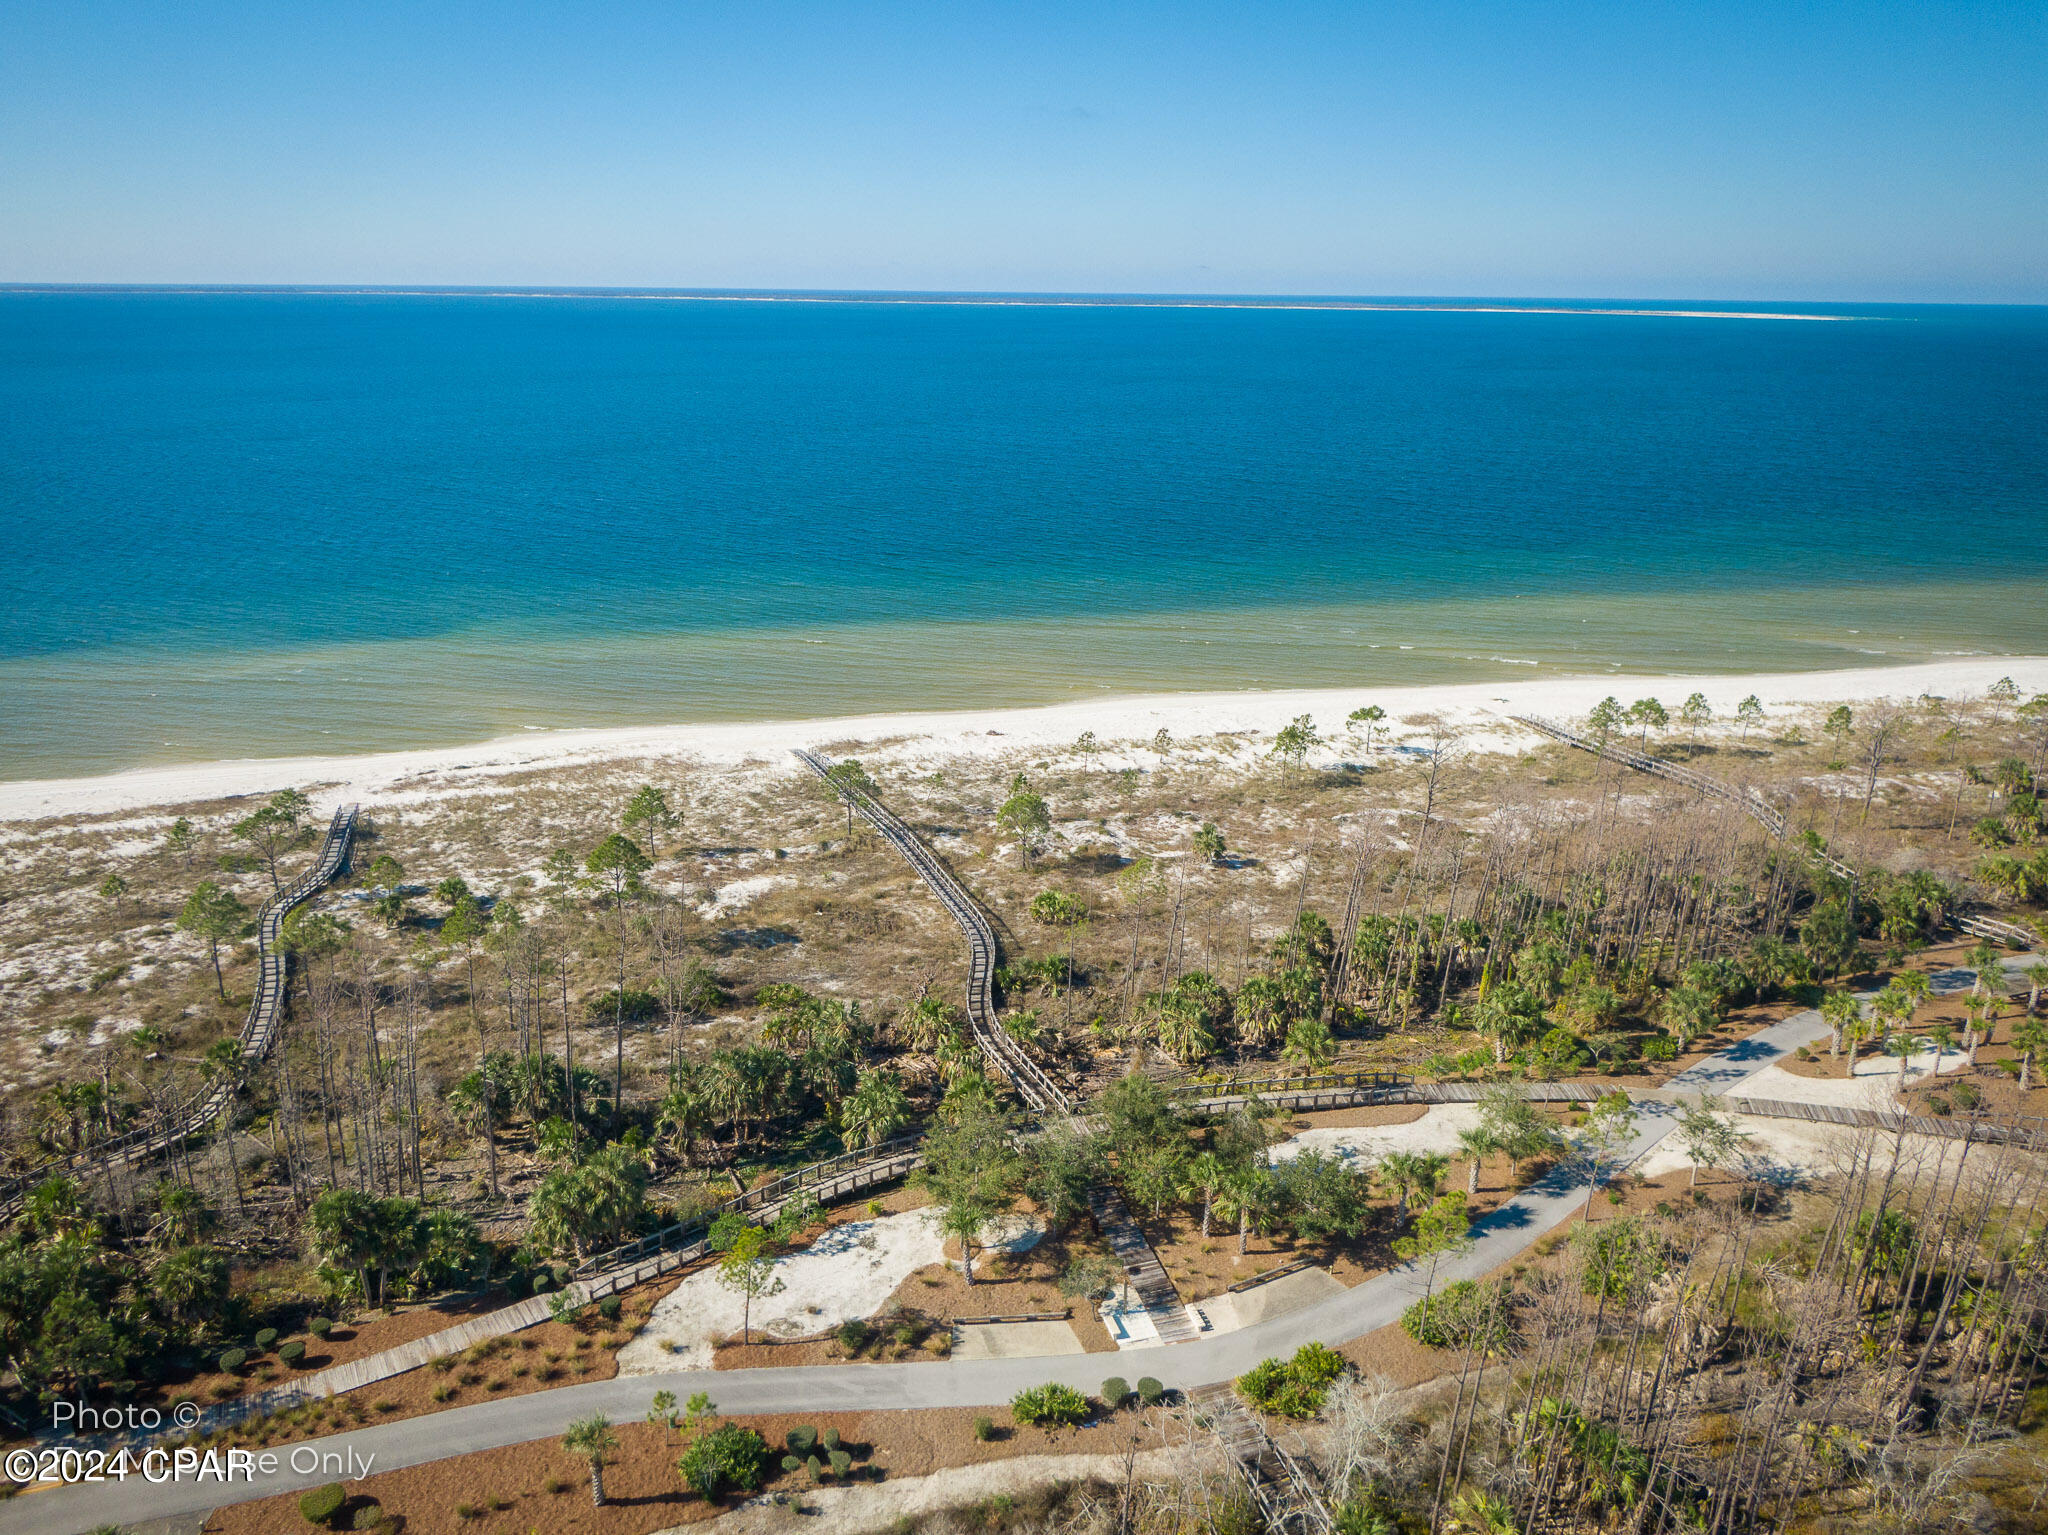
{"points": [[1481, 712]]}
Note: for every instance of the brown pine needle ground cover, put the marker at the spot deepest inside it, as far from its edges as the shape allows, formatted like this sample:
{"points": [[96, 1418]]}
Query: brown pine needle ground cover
{"points": [[642, 1488]]}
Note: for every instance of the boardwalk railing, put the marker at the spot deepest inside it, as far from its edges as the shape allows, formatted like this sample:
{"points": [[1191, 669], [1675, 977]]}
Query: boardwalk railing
{"points": [[1287, 1492], [1759, 809], [1003, 1053], [1997, 931], [2010, 1132], [259, 1031], [833, 1178], [1278, 1087], [1748, 801]]}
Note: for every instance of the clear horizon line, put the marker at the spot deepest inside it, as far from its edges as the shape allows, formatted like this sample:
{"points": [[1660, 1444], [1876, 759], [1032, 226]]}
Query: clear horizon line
{"points": [[995, 298]]}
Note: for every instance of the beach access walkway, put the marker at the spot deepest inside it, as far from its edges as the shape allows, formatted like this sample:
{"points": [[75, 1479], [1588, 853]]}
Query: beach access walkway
{"points": [[1498, 1237], [259, 1031]]}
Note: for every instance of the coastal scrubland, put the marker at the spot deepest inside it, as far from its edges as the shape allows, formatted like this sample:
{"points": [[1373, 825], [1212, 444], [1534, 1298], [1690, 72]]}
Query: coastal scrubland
{"points": [[552, 1007]]}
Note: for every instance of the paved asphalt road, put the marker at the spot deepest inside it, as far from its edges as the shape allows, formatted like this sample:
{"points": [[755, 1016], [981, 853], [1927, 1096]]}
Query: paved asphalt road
{"points": [[1497, 1237]]}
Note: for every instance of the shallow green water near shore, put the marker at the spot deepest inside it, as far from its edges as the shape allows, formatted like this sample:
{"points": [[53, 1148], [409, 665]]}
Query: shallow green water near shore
{"points": [[450, 689]]}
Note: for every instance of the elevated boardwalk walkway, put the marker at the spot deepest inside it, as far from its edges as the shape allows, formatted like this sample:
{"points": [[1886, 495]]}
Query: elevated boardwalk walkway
{"points": [[259, 1032]]}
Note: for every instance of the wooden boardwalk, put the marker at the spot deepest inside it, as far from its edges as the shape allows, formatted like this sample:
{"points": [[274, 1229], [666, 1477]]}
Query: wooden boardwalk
{"points": [[1286, 1489], [2031, 1134], [1003, 1053], [1751, 803], [1758, 809], [1146, 1275], [259, 1031]]}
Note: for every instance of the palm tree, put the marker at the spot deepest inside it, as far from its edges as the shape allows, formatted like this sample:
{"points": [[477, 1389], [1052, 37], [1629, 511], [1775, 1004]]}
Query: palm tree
{"points": [[593, 1439], [1207, 1172], [685, 1112], [928, 1024], [1246, 1192], [1478, 1143], [1943, 1038], [2030, 1038], [1983, 958], [1413, 1175], [2037, 977], [964, 1221], [877, 1109], [1838, 1010], [1310, 1048], [1905, 1047]]}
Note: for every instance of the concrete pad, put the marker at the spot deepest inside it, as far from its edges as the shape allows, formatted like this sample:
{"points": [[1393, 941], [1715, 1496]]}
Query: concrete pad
{"points": [[1291, 1292], [1129, 1329], [1015, 1340]]}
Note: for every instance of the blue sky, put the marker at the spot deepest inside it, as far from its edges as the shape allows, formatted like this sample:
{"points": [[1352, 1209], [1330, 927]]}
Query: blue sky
{"points": [[1776, 150]]}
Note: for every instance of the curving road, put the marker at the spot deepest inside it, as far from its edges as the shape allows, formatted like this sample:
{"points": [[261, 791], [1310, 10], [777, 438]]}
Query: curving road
{"points": [[1498, 1237]]}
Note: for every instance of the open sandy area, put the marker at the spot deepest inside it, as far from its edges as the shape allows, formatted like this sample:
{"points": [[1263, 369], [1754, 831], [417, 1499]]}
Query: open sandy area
{"points": [[849, 1271], [1436, 1130], [1478, 711]]}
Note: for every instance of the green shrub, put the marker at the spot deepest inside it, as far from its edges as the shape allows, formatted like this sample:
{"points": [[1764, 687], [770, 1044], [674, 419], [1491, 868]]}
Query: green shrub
{"points": [[292, 1352], [829, 1439], [1051, 1404], [730, 1457], [233, 1359], [984, 1429], [321, 1504], [266, 1340], [792, 1463], [854, 1335], [1620, 1257], [1461, 1315], [320, 1326], [802, 1439], [841, 1464], [1292, 1388], [610, 1307], [1115, 1392], [816, 1467], [1938, 1106], [370, 1516], [1966, 1095], [542, 1283], [1660, 1047], [1150, 1392]]}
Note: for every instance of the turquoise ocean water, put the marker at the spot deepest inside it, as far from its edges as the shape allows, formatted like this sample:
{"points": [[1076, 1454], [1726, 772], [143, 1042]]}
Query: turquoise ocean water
{"points": [[254, 523]]}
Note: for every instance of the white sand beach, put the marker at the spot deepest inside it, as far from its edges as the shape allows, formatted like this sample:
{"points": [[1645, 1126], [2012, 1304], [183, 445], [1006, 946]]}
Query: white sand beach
{"points": [[1480, 713]]}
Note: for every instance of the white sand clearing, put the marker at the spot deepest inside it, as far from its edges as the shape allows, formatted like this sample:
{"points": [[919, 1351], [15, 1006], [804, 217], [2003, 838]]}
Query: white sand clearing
{"points": [[1437, 1130], [1777, 1150], [1478, 711], [1873, 1086], [850, 1271]]}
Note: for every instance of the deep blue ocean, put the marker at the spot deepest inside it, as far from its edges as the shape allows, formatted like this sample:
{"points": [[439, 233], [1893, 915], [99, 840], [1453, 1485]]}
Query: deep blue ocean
{"points": [[231, 520]]}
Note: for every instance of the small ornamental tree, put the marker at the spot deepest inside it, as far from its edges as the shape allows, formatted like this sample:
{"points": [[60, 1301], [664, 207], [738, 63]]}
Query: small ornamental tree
{"points": [[748, 1268]]}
